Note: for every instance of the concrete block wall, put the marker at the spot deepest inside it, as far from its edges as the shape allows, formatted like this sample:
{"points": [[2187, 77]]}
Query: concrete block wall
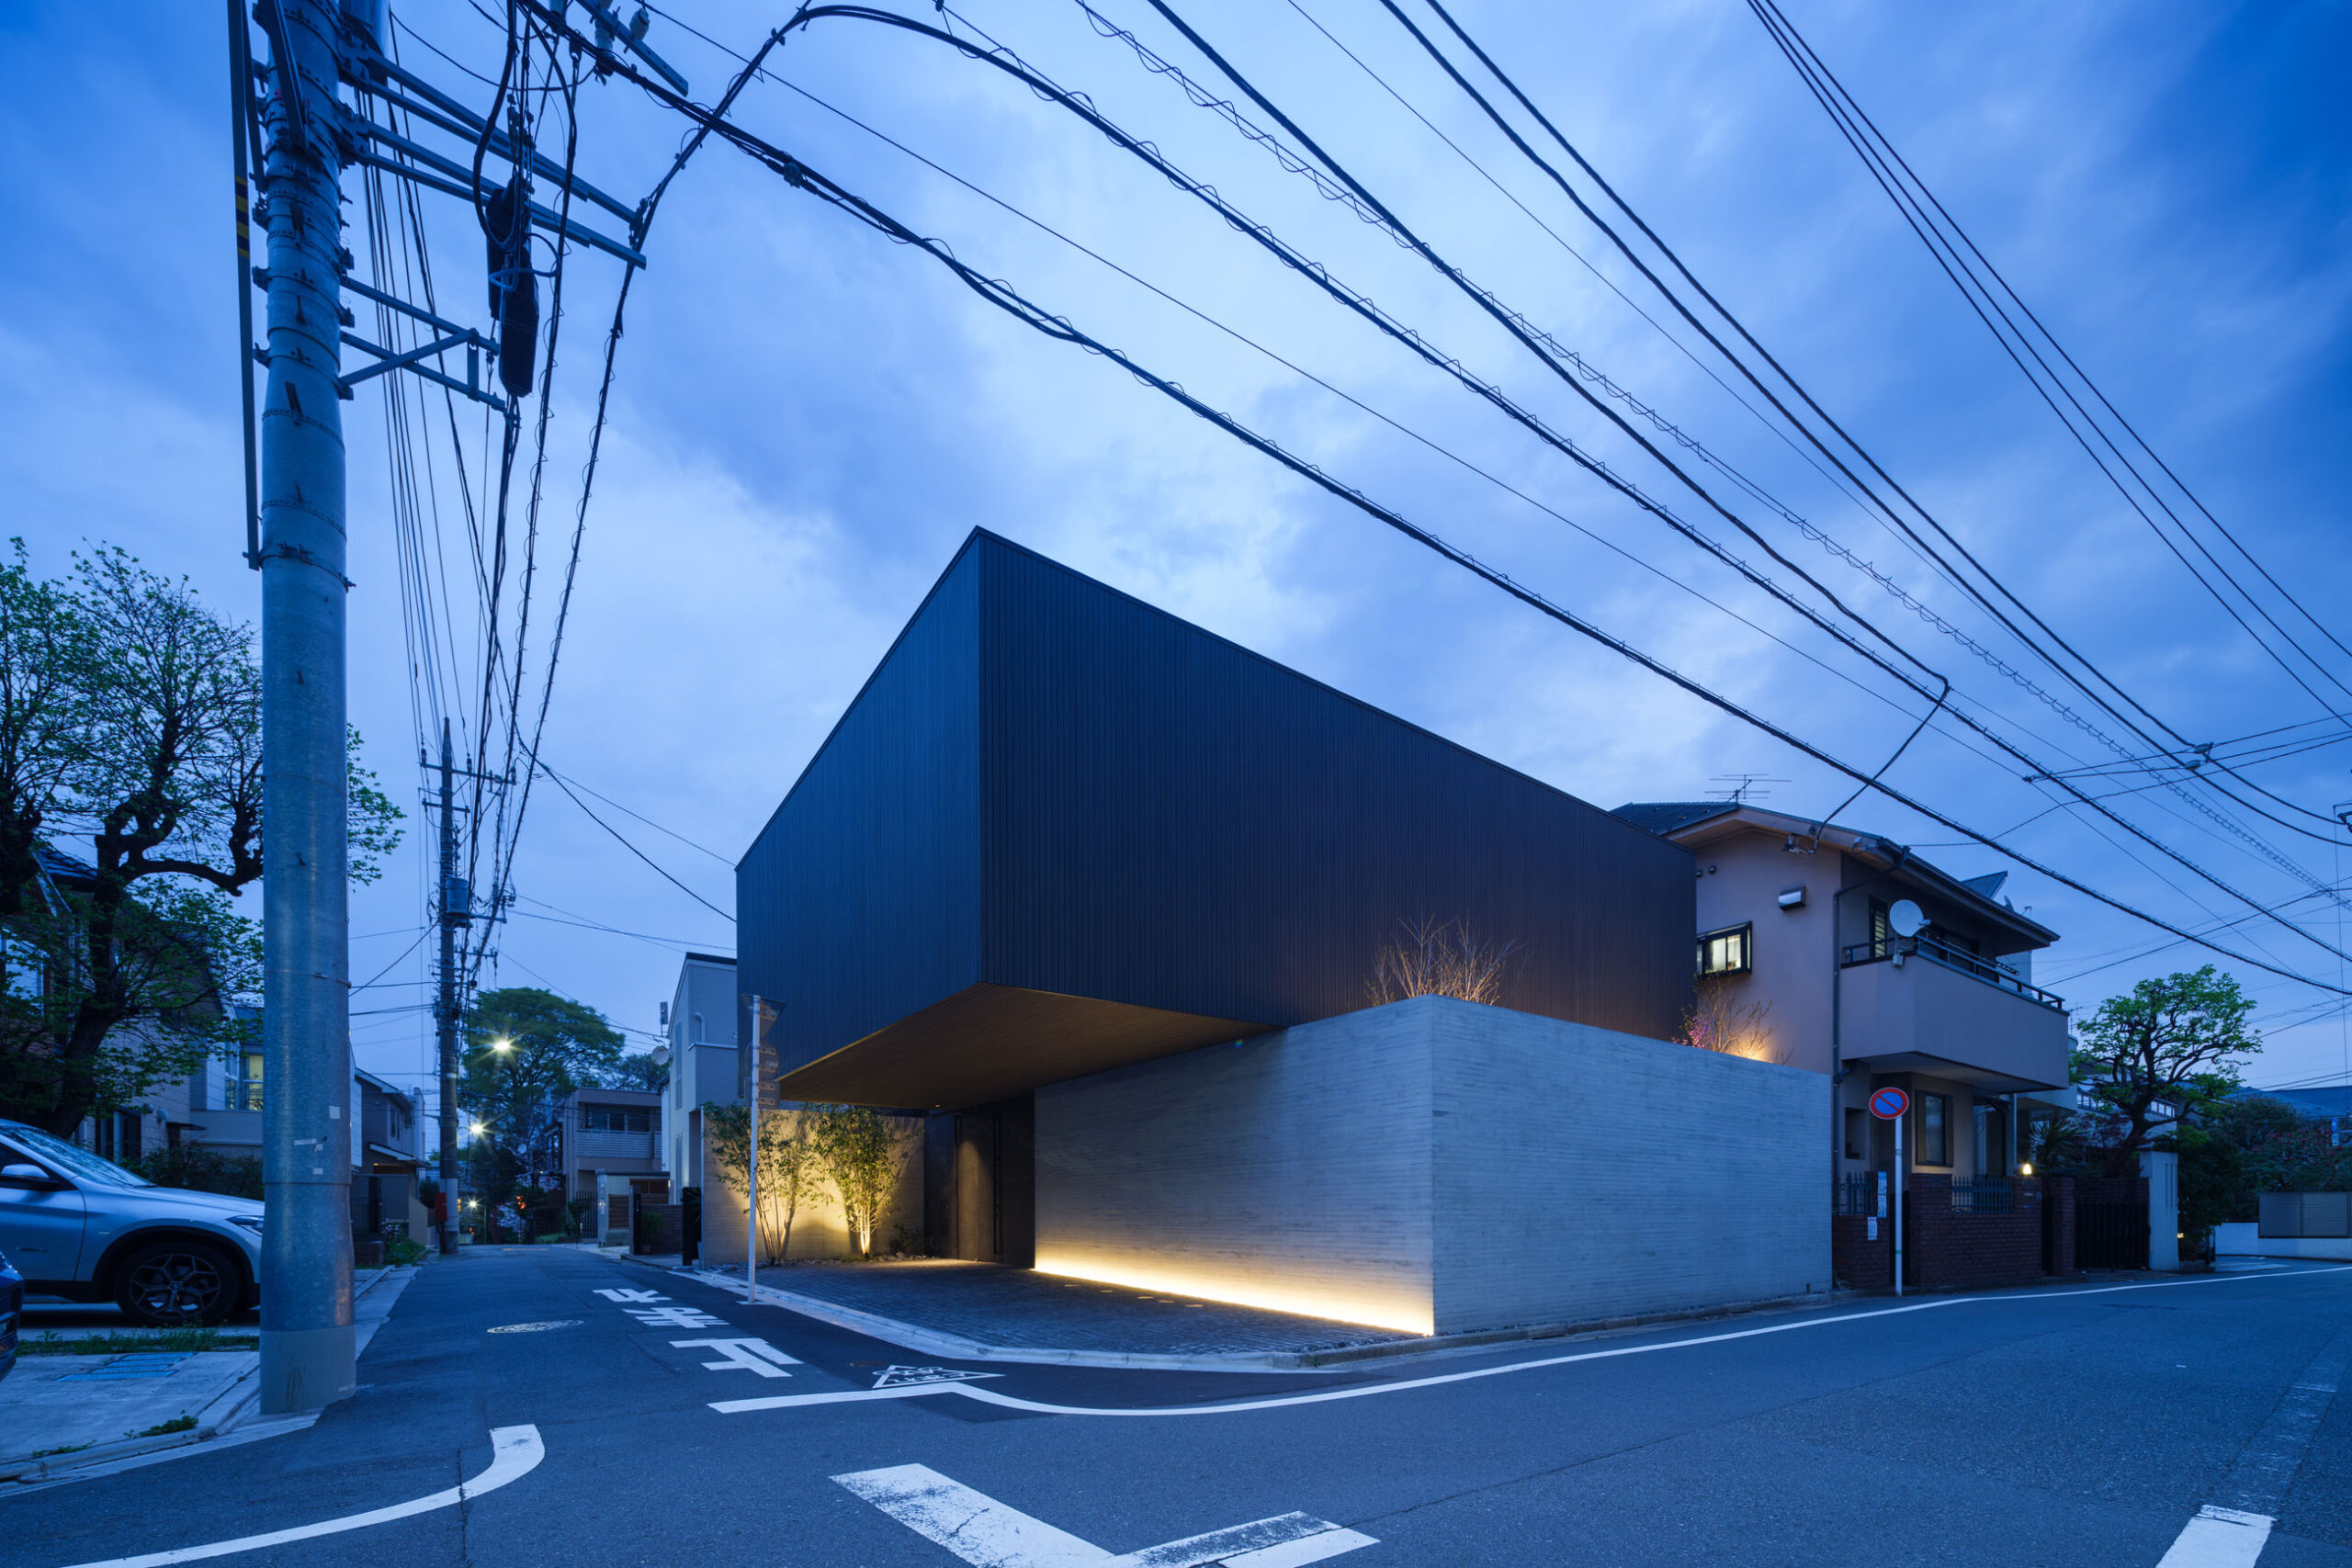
{"points": [[1292, 1171], [1441, 1167], [1582, 1173]]}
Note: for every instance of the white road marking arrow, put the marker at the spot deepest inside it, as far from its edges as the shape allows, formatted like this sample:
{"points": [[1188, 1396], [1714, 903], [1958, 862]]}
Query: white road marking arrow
{"points": [[633, 1295], [743, 1355], [985, 1532], [515, 1451], [674, 1317]]}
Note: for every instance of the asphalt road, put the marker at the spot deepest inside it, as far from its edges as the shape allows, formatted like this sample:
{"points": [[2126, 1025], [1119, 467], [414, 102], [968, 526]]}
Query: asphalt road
{"points": [[2082, 1425]]}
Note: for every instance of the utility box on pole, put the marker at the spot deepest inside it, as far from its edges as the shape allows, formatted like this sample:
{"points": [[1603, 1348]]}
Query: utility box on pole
{"points": [[306, 1331]]}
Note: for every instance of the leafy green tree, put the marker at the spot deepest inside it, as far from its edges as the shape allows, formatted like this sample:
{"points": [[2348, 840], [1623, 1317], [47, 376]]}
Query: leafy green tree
{"points": [[2249, 1120], [639, 1070], [788, 1167], [2149, 1058], [129, 719], [525, 1049], [862, 1153], [2212, 1184]]}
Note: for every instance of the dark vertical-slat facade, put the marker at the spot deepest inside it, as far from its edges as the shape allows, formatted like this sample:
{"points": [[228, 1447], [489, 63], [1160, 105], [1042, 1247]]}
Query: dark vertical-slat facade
{"points": [[1050, 785]]}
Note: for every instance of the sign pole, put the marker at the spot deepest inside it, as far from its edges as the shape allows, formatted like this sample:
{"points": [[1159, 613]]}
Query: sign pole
{"points": [[1891, 1104], [1898, 1204]]}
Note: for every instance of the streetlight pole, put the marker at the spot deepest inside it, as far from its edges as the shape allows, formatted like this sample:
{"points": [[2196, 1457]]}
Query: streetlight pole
{"points": [[306, 1328]]}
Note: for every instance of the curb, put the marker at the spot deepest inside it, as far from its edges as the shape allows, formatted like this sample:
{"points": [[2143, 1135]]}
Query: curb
{"points": [[954, 1346], [226, 1410], [228, 1407]]}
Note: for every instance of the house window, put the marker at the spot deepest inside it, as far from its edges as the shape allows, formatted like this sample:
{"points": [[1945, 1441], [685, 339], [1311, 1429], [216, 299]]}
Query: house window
{"points": [[243, 1090], [1857, 1133], [23, 971], [1728, 952], [1934, 1129], [617, 1118]]}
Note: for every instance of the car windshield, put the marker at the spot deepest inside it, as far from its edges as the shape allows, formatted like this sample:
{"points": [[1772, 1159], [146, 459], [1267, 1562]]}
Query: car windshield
{"points": [[79, 1163]]}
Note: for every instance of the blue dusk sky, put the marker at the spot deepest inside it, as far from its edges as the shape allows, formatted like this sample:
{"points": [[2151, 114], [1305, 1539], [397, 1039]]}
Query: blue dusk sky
{"points": [[808, 418]]}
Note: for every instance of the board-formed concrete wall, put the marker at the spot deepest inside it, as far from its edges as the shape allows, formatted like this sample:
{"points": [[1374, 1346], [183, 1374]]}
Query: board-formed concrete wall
{"points": [[1443, 1167]]}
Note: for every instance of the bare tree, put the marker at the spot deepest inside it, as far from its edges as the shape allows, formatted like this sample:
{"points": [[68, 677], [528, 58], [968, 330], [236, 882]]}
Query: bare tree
{"points": [[1442, 958], [1724, 1020]]}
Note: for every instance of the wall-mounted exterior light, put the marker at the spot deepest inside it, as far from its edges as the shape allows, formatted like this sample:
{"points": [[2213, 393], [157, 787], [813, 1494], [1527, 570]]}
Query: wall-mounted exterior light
{"points": [[1792, 897]]}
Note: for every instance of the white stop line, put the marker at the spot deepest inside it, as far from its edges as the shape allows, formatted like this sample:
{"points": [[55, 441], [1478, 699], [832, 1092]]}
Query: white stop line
{"points": [[515, 1451]]}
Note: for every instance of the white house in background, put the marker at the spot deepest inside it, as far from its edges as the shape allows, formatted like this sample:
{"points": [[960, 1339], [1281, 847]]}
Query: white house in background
{"points": [[699, 1020]]}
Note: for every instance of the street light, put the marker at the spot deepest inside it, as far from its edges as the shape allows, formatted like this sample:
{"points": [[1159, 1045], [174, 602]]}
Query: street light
{"points": [[501, 1044], [479, 1129]]}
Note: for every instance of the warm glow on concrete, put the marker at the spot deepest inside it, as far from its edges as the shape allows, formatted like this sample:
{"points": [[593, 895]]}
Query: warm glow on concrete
{"points": [[1177, 1277]]}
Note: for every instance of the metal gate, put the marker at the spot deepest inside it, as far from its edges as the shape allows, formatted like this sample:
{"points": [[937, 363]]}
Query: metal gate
{"points": [[2110, 1236]]}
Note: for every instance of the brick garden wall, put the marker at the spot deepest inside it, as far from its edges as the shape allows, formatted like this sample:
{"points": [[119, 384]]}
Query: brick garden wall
{"points": [[1947, 1250], [1860, 1263]]}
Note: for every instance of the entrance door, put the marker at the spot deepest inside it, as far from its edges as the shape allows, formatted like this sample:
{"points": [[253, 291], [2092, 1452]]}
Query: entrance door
{"points": [[988, 1207]]}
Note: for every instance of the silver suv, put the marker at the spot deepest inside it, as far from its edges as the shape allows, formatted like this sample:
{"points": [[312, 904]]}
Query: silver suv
{"points": [[84, 1228]]}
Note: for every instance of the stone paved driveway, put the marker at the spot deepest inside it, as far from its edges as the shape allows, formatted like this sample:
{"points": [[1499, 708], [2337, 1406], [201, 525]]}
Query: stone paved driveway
{"points": [[1021, 1309]]}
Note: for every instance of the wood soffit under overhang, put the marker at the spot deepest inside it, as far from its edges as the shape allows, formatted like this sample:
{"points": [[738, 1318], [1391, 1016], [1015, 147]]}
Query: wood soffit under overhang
{"points": [[988, 1043]]}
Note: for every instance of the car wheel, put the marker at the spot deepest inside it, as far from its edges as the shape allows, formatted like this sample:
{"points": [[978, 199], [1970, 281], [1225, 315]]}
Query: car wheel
{"points": [[176, 1284]]}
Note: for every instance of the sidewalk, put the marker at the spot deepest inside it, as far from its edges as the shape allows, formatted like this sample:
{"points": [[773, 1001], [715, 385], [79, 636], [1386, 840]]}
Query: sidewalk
{"points": [[60, 1414], [982, 1312]]}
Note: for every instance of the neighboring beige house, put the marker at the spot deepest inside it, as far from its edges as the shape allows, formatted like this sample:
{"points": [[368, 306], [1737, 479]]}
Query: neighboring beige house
{"points": [[604, 1144], [1795, 917]]}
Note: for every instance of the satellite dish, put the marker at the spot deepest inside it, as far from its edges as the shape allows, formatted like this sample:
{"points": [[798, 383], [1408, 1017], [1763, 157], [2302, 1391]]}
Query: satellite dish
{"points": [[1906, 918]]}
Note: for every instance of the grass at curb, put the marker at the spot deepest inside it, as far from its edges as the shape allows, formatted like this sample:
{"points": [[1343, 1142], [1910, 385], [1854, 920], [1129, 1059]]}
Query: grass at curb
{"points": [[185, 1340]]}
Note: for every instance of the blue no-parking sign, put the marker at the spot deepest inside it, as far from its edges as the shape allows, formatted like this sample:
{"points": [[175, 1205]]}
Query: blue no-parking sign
{"points": [[1889, 1103]]}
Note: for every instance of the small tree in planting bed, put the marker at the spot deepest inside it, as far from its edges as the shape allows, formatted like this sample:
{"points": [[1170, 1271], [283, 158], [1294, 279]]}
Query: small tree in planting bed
{"points": [[862, 1155], [788, 1166]]}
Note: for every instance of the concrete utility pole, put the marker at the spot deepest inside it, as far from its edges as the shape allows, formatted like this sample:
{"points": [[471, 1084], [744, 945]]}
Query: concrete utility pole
{"points": [[305, 1337], [457, 909]]}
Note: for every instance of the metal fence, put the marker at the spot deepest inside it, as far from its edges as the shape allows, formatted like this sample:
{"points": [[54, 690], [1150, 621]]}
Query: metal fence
{"points": [[1983, 1198], [2110, 1236], [1856, 1193]]}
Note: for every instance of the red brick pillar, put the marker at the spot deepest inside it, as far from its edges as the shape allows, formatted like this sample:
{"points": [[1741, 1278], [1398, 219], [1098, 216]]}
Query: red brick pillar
{"points": [[2058, 1200]]}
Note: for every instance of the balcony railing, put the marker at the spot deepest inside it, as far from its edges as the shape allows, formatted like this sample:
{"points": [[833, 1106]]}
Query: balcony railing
{"points": [[1898, 948]]}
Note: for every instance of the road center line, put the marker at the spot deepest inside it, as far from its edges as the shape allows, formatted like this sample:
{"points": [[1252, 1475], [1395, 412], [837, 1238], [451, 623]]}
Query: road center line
{"points": [[515, 1451], [1324, 1397], [2219, 1538]]}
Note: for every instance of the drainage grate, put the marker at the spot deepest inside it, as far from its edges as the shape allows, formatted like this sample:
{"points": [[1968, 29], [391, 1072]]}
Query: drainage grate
{"points": [[145, 1364]]}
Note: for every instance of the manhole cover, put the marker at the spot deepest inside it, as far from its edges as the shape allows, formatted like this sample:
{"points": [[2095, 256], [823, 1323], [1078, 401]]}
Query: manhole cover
{"points": [[536, 1327]]}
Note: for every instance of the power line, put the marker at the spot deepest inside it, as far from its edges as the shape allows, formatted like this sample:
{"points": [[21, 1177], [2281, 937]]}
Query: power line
{"points": [[1004, 298], [1798, 389], [1913, 199], [589, 812], [1003, 60]]}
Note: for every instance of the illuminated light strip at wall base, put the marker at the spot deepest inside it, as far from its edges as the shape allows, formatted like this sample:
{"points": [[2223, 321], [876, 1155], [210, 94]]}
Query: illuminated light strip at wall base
{"points": [[1397, 1316]]}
